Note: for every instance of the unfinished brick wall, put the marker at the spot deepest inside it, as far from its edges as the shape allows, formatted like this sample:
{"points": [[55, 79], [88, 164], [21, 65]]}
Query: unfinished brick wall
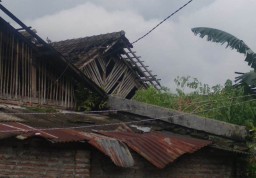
{"points": [[21, 160], [206, 163]]}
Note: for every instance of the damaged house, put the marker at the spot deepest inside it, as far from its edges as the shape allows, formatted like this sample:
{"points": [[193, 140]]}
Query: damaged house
{"points": [[42, 135], [33, 72], [110, 62]]}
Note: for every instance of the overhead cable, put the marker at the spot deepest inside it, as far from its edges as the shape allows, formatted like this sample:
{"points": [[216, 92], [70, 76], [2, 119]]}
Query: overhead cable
{"points": [[120, 123], [115, 110], [162, 22]]}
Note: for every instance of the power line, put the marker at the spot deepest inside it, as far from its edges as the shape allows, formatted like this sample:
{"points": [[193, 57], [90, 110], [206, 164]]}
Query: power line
{"points": [[64, 112], [111, 110], [162, 22], [68, 63], [119, 123], [209, 101]]}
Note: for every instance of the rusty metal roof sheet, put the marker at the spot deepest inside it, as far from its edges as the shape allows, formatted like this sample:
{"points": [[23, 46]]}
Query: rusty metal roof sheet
{"points": [[116, 150], [157, 148], [23, 131]]}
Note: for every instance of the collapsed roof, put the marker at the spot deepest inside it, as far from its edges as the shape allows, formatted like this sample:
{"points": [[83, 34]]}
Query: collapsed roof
{"points": [[110, 62], [57, 127]]}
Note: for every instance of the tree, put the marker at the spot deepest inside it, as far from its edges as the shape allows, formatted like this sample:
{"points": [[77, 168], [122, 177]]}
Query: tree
{"points": [[219, 36]]}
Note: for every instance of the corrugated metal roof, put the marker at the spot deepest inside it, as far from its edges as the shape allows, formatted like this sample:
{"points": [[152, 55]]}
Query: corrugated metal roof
{"points": [[157, 148], [116, 150], [23, 131], [9, 130]]}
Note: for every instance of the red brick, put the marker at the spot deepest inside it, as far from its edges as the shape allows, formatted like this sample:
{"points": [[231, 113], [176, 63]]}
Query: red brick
{"points": [[46, 162]]}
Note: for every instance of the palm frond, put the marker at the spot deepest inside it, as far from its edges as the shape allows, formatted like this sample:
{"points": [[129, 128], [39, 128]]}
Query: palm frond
{"points": [[248, 78], [219, 36], [247, 81]]}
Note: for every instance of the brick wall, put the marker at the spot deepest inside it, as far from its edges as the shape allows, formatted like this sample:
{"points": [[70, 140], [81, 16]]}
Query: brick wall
{"points": [[207, 163], [26, 160], [38, 159]]}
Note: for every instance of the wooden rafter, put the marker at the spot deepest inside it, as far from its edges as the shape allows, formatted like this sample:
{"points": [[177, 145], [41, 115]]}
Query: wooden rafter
{"points": [[145, 74]]}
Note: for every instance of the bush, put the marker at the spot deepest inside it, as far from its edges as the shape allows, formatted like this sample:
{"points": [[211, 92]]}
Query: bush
{"points": [[226, 103]]}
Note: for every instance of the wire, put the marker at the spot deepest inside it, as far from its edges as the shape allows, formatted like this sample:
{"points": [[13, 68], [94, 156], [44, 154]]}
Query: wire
{"points": [[118, 123], [162, 22], [64, 71], [68, 64], [110, 110], [209, 101], [65, 112]]}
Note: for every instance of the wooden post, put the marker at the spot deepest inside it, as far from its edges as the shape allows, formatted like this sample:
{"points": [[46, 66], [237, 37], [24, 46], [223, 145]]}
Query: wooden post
{"points": [[33, 81]]}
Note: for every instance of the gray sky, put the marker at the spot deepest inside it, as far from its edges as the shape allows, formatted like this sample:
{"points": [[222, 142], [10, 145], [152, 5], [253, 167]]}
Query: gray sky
{"points": [[171, 50]]}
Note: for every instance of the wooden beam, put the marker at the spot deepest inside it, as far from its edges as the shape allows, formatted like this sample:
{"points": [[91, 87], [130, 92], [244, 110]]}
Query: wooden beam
{"points": [[18, 29], [142, 66], [132, 58]]}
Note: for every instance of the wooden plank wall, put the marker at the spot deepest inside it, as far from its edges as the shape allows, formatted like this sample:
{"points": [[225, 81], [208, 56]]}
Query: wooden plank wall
{"points": [[23, 81]]}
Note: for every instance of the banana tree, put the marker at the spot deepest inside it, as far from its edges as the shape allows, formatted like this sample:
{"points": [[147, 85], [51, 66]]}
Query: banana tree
{"points": [[219, 36]]}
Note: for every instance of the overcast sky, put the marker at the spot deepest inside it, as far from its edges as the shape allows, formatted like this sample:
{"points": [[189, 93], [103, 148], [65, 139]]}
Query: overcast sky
{"points": [[171, 50]]}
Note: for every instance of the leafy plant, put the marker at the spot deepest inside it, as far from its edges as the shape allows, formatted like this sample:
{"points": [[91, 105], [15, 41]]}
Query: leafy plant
{"points": [[87, 100], [227, 103], [219, 36], [243, 114]]}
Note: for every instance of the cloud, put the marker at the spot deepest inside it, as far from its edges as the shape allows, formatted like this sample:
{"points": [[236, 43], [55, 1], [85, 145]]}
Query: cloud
{"points": [[172, 49], [85, 20], [33, 9]]}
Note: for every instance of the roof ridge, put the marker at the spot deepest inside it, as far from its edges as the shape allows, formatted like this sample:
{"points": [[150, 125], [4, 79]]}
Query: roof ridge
{"points": [[121, 33]]}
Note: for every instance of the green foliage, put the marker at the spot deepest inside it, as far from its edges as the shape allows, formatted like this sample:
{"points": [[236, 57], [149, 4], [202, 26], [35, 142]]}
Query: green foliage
{"points": [[248, 78], [162, 97], [87, 100], [240, 111], [219, 36], [222, 37], [226, 103], [251, 169]]}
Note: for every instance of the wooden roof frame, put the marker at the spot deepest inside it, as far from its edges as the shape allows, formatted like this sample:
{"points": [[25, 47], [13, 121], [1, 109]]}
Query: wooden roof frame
{"points": [[113, 43], [147, 77]]}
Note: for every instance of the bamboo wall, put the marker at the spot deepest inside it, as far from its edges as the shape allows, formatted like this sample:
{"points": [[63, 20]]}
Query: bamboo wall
{"points": [[112, 75], [26, 78]]}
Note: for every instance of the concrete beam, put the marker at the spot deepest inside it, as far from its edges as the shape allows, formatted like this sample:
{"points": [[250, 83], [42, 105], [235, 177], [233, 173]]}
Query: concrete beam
{"points": [[190, 121]]}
